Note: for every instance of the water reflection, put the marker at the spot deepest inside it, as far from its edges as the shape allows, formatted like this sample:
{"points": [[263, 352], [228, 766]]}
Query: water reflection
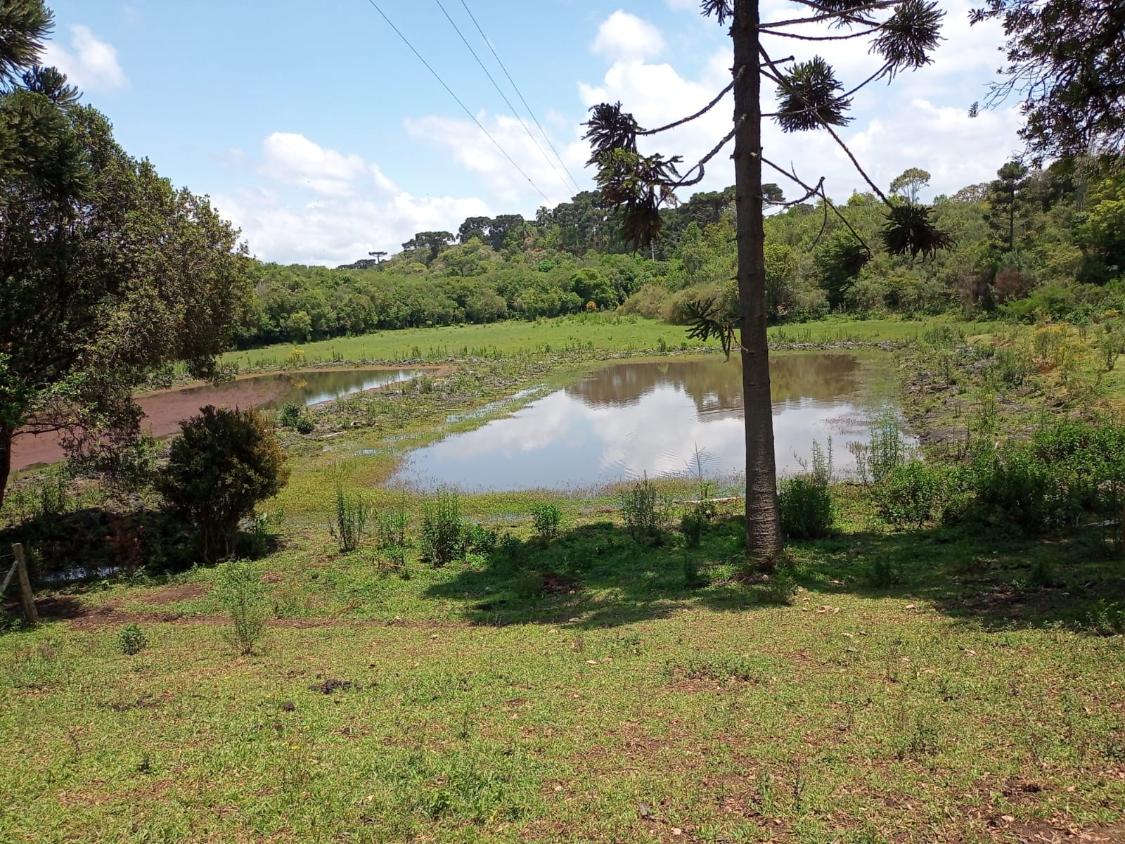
{"points": [[164, 412], [635, 418]]}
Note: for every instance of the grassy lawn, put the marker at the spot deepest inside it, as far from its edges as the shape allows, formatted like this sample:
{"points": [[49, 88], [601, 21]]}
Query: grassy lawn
{"points": [[944, 684]]}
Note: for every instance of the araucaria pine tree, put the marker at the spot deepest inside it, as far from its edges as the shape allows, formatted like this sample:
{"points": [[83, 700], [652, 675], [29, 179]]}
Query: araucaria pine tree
{"points": [[904, 34]]}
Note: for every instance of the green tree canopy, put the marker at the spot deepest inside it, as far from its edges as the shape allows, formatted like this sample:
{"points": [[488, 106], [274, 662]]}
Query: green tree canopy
{"points": [[107, 272]]}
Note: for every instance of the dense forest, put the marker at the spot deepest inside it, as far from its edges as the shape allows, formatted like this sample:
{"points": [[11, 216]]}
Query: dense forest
{"points": [[1029, 242]]}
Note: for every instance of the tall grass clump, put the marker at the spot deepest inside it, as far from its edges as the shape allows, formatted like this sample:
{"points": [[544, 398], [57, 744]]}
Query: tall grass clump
{"points": [[645, 511], [392, 535], [352, 514], [241, 592], [443, 529]]}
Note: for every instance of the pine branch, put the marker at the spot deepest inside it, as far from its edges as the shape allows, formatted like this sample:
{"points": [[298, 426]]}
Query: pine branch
{"points": [[778, 77]]}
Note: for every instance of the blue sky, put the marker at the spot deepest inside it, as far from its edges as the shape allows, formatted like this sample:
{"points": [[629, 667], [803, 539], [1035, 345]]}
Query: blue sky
{"points": [[316, 130]]}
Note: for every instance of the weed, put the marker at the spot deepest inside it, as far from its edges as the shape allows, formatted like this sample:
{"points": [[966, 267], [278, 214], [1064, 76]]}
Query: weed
{"points": [[443, 531], [241, 592], [352, 513], [132, 640], [645, 511], [782, 587], [1107, 618], [392, 530]]}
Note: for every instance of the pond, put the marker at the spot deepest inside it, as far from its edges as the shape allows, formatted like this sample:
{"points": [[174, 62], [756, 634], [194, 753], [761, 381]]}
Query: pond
{"points": [[166, 410], [631, 419]]}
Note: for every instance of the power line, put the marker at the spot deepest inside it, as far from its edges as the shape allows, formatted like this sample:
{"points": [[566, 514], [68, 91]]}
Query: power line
{"points": [[449, 90], [500, 91], [523, 100]]}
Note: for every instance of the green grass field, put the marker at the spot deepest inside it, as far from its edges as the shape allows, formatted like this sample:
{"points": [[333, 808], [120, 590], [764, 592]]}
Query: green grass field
{"points": [[946, 684], [593, 331]]}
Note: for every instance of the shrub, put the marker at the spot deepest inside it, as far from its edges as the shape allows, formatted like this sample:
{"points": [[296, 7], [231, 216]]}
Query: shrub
{"points": [[352, 513], [546, 519], [645, 512], [479, 539], [240, 590], [912, 494], [443, 532], [132, 640], [805, 505], [220, 466]]}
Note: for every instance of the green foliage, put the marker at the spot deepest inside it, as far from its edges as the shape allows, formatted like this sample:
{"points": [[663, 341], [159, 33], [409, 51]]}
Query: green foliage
{"points": [[352, 514], [132, 639], [240, 590], [109, 271], [443, 530], [392, 533], [913, 494], [222, 464], [806, 509], [1066, 471], [1107, 618], [645, 511], [297, 417], [782, 586], [546, 518]]}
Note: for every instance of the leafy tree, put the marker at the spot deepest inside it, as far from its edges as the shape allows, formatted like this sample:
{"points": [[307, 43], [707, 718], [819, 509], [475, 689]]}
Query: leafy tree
{"points": [[1065, 60], [220, 466], [106, 271], [1005, 195], [428, 245], [903, 33], [908, 184]]}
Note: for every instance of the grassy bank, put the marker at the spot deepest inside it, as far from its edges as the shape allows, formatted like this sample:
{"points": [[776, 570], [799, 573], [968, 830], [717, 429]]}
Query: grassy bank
{"points": [[919, 685]]}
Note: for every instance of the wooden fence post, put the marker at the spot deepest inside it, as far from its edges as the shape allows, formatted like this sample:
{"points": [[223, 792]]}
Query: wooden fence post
{"points": [[27, 597]]}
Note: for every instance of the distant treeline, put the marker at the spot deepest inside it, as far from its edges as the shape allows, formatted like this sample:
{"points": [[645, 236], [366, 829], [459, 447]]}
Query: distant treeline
{"points": [[1029, 242]]}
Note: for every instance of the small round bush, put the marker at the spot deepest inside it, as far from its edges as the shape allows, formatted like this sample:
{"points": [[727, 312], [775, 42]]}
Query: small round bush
{"points": [[806, 508], [220, 466]]}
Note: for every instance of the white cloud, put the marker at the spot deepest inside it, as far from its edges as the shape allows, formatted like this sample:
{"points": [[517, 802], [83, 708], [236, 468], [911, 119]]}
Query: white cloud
{"points": [[294, 159], [472, 149], [625, 36], [88, 62], [321, 206]]}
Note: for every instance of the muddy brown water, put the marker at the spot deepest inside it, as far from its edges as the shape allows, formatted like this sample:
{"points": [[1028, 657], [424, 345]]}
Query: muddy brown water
{"points": [[628, 420], [166, 410]]}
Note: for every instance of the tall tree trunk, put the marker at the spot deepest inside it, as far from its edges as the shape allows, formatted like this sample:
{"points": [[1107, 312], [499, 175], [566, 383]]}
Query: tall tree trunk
{"points": [[763, 528], [6, 437]]}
